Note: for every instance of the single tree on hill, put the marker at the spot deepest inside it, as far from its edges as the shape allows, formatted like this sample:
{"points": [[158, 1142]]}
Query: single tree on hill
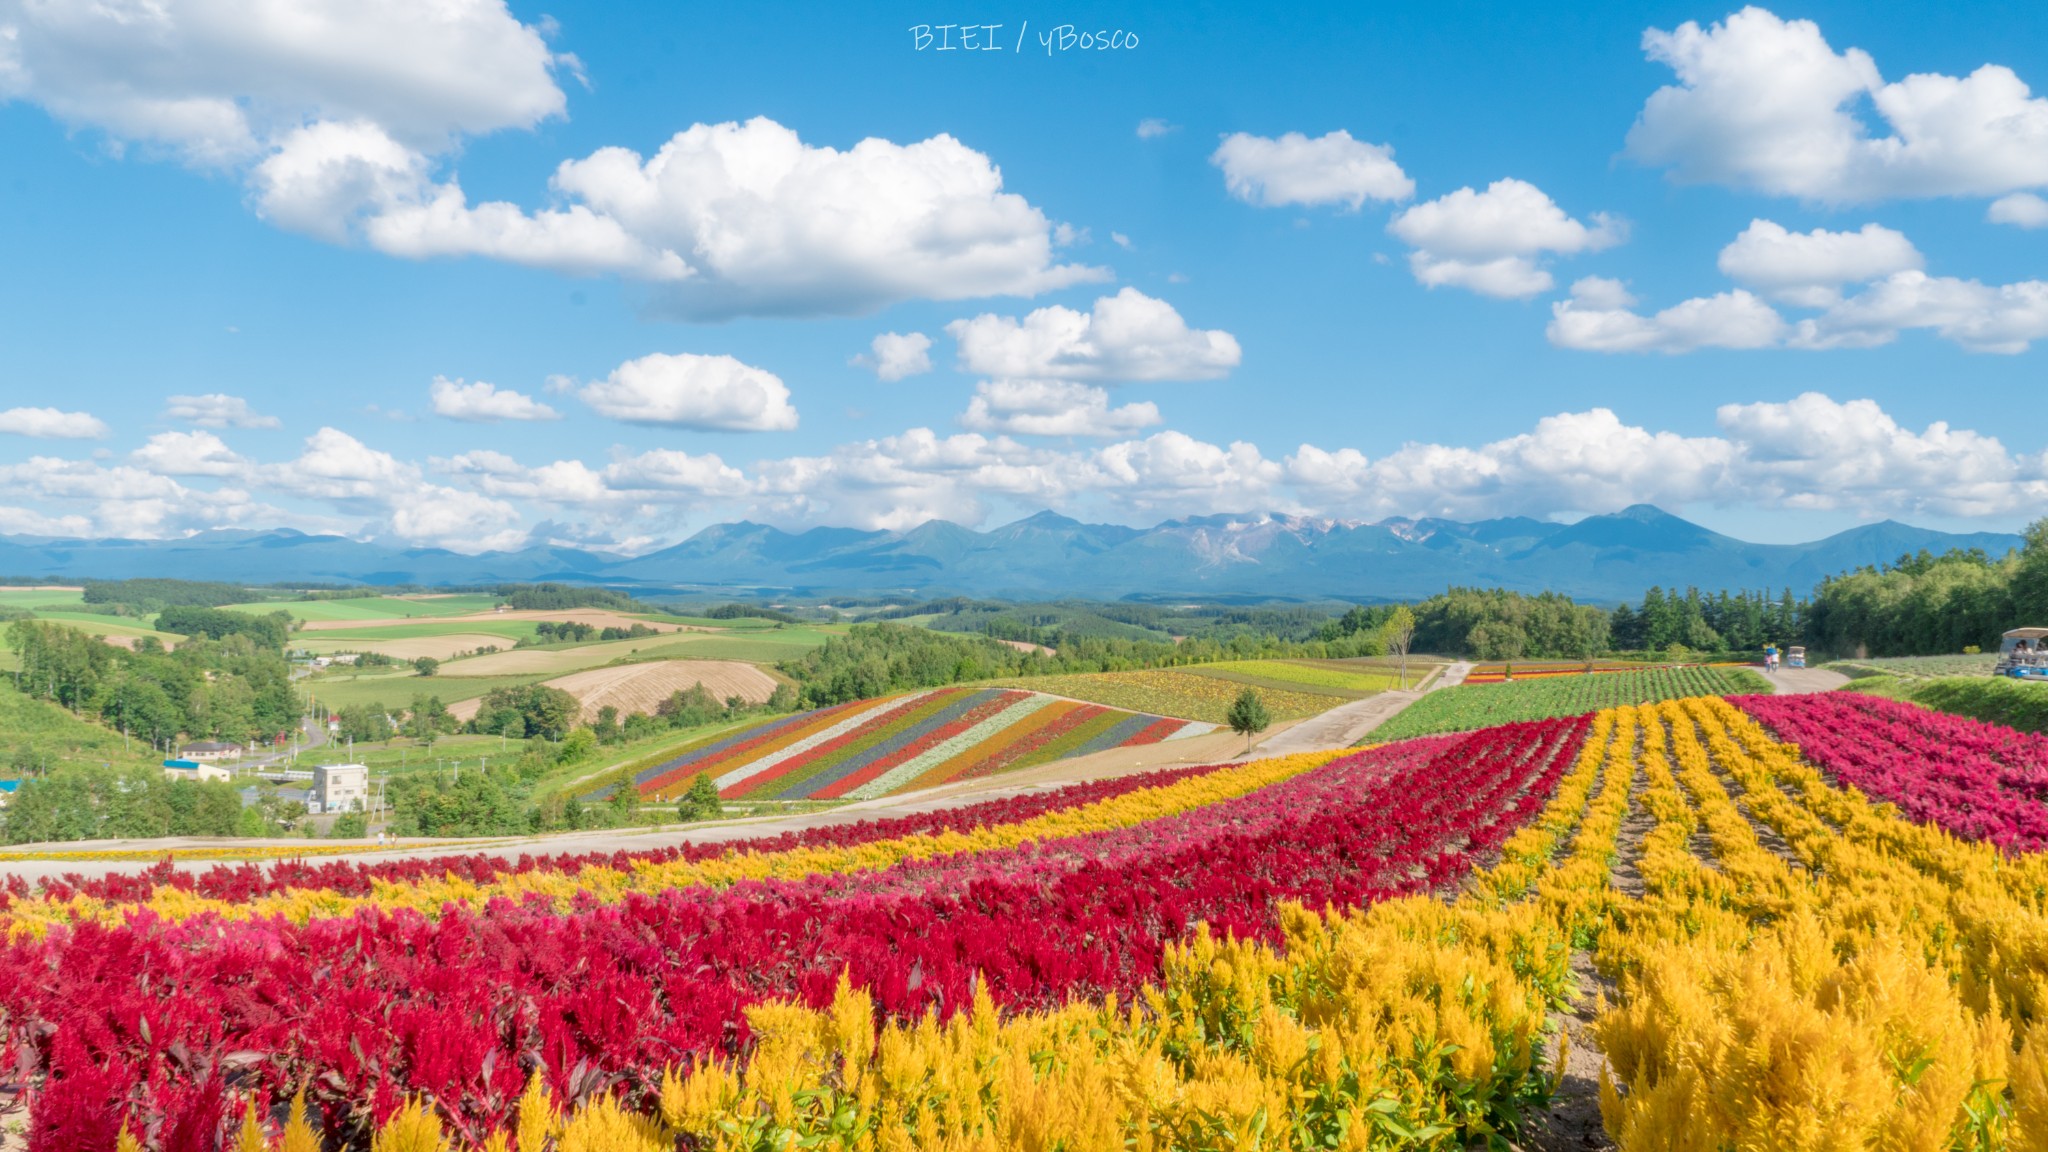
{"points": [[701, 801], [426, 665], [1248, 716], [1399, 633]]}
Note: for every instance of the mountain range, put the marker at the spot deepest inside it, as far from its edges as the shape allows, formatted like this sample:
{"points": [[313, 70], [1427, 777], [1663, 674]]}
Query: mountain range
{"points": [[1253, 557]]}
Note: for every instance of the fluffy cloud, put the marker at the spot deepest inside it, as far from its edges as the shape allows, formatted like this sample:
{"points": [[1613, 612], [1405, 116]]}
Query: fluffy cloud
{"points": [[1128, 336], [1491, 242], [188, 454], [1152, 127], [1053, 408], [217, 410], [896, 355], [1809, 268], [1811, 453], [2003, 318], [1767, 103], [2021, 209], [52, 424], [1294, 169], [121, 501], [1597, 319], [481, 403], [217, 82], [748, 219], [1815, 452], [690, 391], [1580, 461]]}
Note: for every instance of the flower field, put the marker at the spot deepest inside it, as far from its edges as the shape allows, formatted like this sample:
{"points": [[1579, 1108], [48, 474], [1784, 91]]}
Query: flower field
{"points": [[873, 748], [1183, 692], [1820, 917], [1470, 706], [631, 995]]}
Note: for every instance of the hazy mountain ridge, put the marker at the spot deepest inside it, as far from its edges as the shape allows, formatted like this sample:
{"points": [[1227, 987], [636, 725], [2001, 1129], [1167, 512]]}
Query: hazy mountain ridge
{"points": [[1602, 557]]}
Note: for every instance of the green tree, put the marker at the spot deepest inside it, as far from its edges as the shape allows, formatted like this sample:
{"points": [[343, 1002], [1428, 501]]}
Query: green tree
{"points": [[350, 825], [1398, 632], [426, 665], [624, 803], [1248, 716], [701, 801]]}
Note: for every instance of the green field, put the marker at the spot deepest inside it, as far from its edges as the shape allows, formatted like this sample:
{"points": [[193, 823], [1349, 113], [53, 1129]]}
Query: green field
{"points": [[484, 625], [2013, 703], [44, 598], [372, 608], [40, 733], [1333, 677], [107, 625], [396, 689], [1470, 706], [1918, 667]]}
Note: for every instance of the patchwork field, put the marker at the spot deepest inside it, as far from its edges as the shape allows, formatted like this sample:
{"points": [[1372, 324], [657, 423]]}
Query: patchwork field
{"points": [[482, 621], [640, 687], [1185, 692], [1469, 706], [445, 647], [874, 748]]}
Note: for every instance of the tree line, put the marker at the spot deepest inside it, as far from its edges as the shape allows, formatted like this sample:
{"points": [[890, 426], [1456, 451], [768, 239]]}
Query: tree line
{"points": [[230, 688]]}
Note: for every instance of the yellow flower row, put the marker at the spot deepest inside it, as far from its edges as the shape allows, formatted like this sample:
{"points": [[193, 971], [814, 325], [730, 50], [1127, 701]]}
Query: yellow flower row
{"points": [[1412, 1023], [1859, 982], [609, 885]]}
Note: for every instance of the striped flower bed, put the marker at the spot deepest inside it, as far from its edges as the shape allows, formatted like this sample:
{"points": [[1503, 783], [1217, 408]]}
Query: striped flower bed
{"points": [[874, 748]]}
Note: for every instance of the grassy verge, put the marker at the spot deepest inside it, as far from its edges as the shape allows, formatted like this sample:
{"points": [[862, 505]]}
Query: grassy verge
{"points": [[2009, 702]]}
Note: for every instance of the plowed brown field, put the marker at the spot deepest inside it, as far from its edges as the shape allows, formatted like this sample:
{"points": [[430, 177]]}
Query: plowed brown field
{"points": [[641, 687]]}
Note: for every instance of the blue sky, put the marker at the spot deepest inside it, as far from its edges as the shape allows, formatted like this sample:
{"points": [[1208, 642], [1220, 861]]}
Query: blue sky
{"points": [[1774, 269]]}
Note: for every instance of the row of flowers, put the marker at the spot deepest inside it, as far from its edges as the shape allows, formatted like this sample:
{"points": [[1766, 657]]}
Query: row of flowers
{"points": [[1980, 781], [919, 740], [133, 1023]]}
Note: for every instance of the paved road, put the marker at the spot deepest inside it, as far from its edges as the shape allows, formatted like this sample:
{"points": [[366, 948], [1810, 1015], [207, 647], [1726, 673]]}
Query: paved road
{"points": [[1799, 681]]}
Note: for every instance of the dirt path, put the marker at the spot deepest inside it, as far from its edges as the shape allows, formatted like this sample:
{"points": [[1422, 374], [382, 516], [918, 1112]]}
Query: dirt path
{"points": [[1348, 723], [1799, 681]]}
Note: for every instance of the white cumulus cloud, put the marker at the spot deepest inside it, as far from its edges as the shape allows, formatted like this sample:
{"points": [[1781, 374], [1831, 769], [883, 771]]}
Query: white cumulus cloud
{"points": [[2021, 210], [1767, 103], [898, 355], [1294, 169], [686, 390], [52, 424], [217, 410], [188, 454], [1128, 336], [1597, 319], [1809, 268], [1053, 408], [482, 403], [1492, 242]]}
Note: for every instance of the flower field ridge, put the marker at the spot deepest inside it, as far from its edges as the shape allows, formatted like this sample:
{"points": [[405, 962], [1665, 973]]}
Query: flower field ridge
{"points": [[875, 748], [389, 1004], [1977, 780]]}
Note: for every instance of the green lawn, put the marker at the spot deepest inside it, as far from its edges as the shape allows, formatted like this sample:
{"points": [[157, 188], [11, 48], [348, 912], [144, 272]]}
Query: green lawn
{"points": [[33, 598], [53, 736], [373, 607]]}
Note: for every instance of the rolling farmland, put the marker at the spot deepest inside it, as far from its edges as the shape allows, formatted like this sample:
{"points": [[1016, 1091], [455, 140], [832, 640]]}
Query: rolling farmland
{"points": [[641, 687]]}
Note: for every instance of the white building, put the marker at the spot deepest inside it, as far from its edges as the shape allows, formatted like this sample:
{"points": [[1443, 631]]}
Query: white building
{"points": [[208, 750], [340, 788], [194, 770]]}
